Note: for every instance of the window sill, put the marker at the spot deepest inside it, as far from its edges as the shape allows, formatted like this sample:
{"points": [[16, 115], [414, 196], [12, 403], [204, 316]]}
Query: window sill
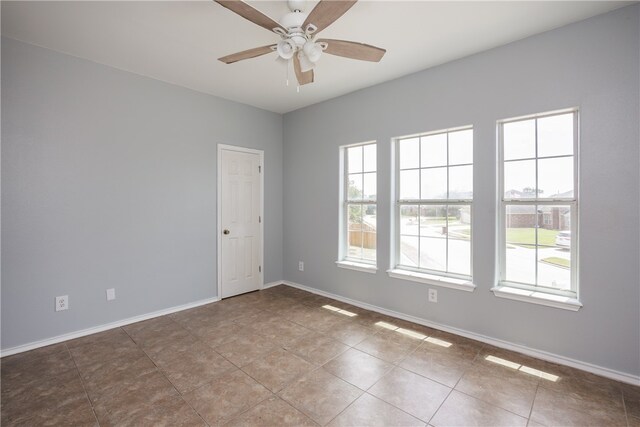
{"points": [[541, 298], [357, 266], [432, 279]]}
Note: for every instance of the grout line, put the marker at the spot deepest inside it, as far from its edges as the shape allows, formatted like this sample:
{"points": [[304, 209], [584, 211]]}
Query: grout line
{"points": [[535, 395], [82, 382], [161, 372]]}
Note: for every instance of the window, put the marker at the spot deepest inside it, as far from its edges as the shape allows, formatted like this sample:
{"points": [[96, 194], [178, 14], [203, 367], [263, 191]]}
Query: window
{"points": [[539, 202], [359, 209], [434, 192]]}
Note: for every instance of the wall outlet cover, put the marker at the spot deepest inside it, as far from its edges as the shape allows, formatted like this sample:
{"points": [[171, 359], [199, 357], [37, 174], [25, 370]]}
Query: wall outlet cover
{"points": [[301, 265], [62, 303], [433, 295], [111, 294]]}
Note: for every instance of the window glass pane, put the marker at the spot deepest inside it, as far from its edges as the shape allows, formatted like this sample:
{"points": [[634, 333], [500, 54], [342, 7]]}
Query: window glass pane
{"points": [[434, 150], [433, 253], [433, 220], [354, 159], [520, 222], [520, 179], [434, 183], [355, 216], [459, 234], [409, 153], [355, 245], [555, 135], [461, 182], [370, 162], [555, 177], [409, 222], [554, 248], [519, 139], [355, 186], [409, 251], [370, 186], [369, 246], [461, 147], [369, 218], [409, 184]]}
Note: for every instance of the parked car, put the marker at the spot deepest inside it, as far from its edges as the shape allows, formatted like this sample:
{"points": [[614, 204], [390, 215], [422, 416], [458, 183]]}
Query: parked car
{"points": [[563, 239]]}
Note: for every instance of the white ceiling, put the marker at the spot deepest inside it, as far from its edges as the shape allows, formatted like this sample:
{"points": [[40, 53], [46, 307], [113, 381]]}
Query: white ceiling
{"points": [[179, 41]]}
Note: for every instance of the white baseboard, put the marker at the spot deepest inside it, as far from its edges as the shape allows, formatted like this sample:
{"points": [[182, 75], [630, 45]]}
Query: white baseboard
{"points": [[105, 327], [561, 360], [271, 284]]}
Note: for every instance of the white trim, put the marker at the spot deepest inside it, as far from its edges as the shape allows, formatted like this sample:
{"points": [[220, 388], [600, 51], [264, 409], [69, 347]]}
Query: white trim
{"points": [[432, 279], [561, 360], [536, 297], [219, 211], [271, 284], [357, 266], [95, 329]]}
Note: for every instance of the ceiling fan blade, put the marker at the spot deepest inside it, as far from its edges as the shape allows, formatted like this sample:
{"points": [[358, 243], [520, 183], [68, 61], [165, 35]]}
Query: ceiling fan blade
{"points": [[353, 50], [327, 12], [303, 78], [246, 54], [250, 13]]}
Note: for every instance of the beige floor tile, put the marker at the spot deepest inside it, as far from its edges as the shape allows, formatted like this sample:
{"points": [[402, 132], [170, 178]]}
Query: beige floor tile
{"points": [[226, 396], [195, 369], [320, 395], [462, 410], [411, 392], [358, 368], [24, 369], [108, 377], [270, 413], [631, 399], [218, 334], [277, 369], [167, 351], [388, 347], [78, 413], [560, 408], [246, 348], [171, 412], [105, 345], [22, 359], [317, 348], [148, 390], [146, 327], [350, 333], [38, 395], [371, 411], [504, 387], [445, 365], [280, 330]]}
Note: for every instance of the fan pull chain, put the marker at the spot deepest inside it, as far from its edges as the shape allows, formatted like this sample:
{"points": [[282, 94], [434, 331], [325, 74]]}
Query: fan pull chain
{"points": [[298, 89], [287, 79]]}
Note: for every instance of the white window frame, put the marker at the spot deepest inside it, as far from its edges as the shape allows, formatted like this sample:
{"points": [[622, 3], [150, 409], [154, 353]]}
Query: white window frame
{"points": [[344, 261], [567, 299], [423, 275]]}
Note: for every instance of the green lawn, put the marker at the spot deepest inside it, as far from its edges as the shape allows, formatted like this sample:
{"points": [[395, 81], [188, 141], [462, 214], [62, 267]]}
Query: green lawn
{"points": [[526, 236], [562, 262]]}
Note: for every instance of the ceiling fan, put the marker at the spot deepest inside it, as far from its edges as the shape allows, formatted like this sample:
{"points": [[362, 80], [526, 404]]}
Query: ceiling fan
{"points": [[298, 31]]}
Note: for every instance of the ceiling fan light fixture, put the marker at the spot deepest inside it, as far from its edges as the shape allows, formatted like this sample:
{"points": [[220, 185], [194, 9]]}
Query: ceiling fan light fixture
{"points": [[305, 63], [313, 51], [286, 49]]}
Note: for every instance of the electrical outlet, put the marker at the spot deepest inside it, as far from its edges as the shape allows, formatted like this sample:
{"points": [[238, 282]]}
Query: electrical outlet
{"points": [[300, 265], [62, 303], [111, 294], [433, 295]]}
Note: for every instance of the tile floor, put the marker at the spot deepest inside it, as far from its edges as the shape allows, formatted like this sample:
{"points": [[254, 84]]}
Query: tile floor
{"points": [[287, 357]]}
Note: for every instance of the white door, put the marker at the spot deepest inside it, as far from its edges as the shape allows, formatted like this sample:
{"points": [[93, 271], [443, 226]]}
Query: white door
{"points": [[240, 221]]}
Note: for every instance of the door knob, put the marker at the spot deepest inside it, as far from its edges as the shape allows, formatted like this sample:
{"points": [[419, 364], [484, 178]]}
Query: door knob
{"points": [[226, 232]]}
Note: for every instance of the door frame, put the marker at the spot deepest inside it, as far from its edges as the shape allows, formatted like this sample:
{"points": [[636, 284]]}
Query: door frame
{"points": [[225, 147]]}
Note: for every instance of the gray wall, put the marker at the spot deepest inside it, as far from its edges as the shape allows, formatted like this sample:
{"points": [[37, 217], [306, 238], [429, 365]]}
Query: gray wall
{"points": [[594, 65], [109, 180]]}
